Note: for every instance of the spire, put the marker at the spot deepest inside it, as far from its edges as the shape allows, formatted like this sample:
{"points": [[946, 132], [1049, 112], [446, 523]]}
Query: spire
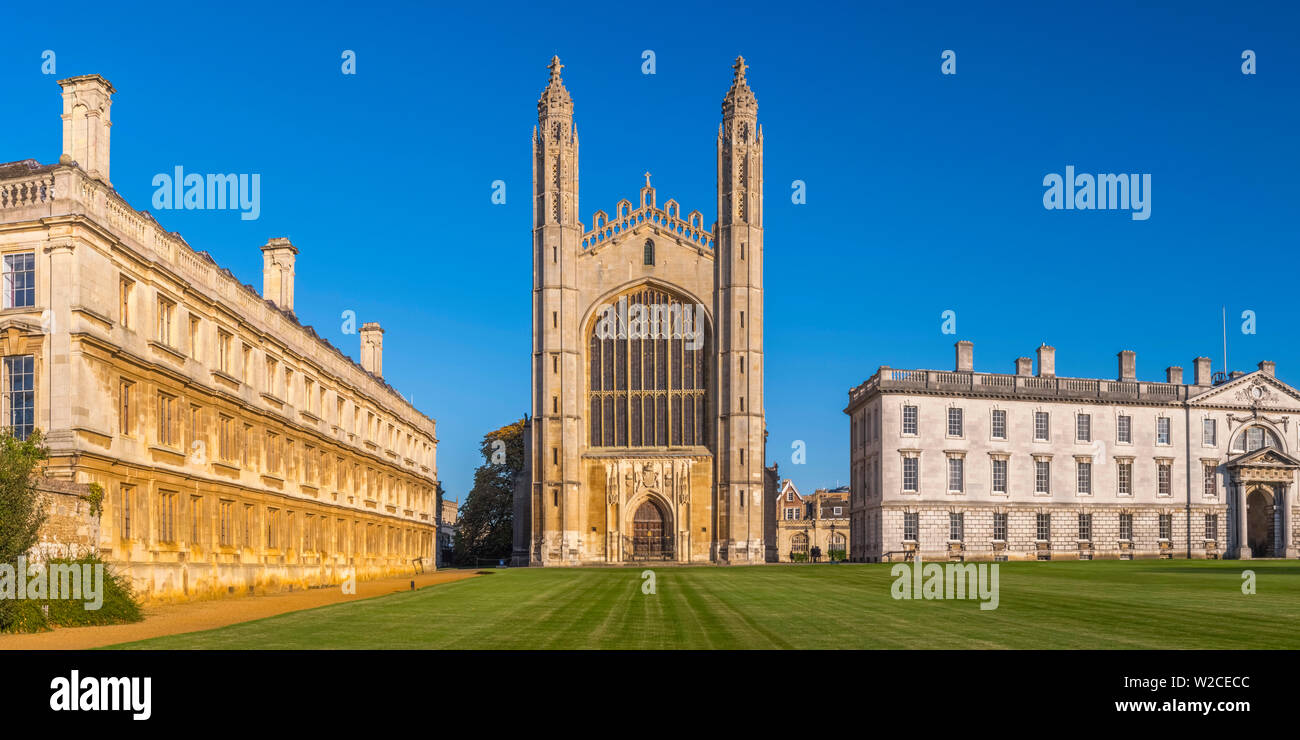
{"points": [[555, 98], [739, 99]]}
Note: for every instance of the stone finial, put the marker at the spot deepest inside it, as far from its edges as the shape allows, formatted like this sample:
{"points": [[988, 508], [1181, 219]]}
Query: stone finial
{"points": [[555, 68]]}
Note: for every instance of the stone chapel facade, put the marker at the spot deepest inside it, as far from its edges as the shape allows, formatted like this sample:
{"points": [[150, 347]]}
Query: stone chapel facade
{"points": [[646, 440]]}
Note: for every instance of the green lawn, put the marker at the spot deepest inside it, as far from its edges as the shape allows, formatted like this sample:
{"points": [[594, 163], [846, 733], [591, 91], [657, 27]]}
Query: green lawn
{"points": [[1103, 604]]}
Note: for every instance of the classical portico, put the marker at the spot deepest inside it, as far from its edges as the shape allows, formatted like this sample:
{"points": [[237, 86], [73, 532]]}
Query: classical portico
{"points": [[1259, 490]]}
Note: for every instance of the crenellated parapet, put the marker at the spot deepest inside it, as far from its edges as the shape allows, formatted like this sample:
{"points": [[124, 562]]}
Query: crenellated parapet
{"points": [[669, 218]]}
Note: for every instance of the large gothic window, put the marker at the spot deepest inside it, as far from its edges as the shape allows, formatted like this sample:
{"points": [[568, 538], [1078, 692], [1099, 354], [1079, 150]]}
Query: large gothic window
{"points": [[647, 369]]}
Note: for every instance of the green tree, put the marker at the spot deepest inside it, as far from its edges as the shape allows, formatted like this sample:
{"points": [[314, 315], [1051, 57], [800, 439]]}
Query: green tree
{"points": [[486, 527], [22, 508]]}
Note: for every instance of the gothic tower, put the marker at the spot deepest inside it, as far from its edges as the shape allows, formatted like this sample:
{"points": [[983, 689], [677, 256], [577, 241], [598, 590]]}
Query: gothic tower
{"points": [[645, 441], [738, 269], [555, 505]]}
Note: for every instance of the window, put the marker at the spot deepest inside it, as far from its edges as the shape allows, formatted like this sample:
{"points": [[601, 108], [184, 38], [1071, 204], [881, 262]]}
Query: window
{"points": [[166, 516], [909, 420], [911, 526], [272, 452], [270, 375], [223, 351], [956, 474], [1163, 471], [1043, 476], [1082, 427], [196, 430], [650, 389], [196, 518], [166, 314], [126, 406], [1166, 526], [1209, 487], [999, 475], [226, 438], [1084, 478], [1124, 428], [20, 395], [1211, 526], [1162, 430], [791, 512], [124, 288], [247, 533], [1042, 429], [956, 526], [910, 474], [1125, 526], [1085, 526], [1044, 528], [246, 445], [1000, 526], [649, 256], [1124, 477], [1209, 432], [999, 424], [954, 422], [126, 503], [194, 336], [799, 545], [1254, 438], [20, 280], [167, 420]]}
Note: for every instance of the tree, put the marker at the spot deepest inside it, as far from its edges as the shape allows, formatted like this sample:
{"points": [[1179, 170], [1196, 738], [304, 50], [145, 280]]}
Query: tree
{"points": [[22, 508], [486, 526]]}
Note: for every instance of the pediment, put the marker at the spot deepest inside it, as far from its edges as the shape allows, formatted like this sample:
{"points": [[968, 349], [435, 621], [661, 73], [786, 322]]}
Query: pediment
{"points": [[1257, 390], [1265, 457]]}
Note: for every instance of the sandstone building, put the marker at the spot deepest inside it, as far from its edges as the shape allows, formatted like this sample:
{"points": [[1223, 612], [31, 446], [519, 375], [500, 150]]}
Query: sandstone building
{"points": [[1032, 466], [646, 439], [807, 525], [235, 449]]}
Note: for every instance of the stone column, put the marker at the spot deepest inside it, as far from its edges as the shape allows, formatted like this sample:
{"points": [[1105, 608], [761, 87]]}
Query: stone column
{"points": [[1243, 549]]}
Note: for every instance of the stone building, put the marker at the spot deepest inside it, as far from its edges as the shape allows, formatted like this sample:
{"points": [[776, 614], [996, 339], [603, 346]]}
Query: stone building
{"points": [[819, 520], [448, 518], [1032, 466], [235, 449], [647, 428]]}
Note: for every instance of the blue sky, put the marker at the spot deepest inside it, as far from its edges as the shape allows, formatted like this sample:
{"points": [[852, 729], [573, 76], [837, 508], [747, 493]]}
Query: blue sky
{"points": [[924, 191]]}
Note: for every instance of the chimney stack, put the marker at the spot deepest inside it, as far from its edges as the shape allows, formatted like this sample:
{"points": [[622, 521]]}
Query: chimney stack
{"points": [[277, 272], [1268, 367], [1202, 374], [1046, 361], [1174, 374], [965, 356], [86, 123], [372, 349], [1127, 365], [1024, 366]]}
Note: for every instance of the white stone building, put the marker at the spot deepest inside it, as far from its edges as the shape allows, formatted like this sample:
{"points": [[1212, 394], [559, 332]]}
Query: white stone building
{"points": [[1026, 465]]}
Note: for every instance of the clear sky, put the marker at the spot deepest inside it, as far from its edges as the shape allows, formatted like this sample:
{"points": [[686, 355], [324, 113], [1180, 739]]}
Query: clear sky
{"points": [[924, 191]]}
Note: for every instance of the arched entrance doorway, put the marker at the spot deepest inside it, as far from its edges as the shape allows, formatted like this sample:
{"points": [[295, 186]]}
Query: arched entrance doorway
{"points": [[1259, 522], [649, 537]]}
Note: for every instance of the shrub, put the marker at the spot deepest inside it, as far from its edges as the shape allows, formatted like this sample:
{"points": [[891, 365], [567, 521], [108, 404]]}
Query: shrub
{"points": [[839, 555], [37, 615], [798, 557]]}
